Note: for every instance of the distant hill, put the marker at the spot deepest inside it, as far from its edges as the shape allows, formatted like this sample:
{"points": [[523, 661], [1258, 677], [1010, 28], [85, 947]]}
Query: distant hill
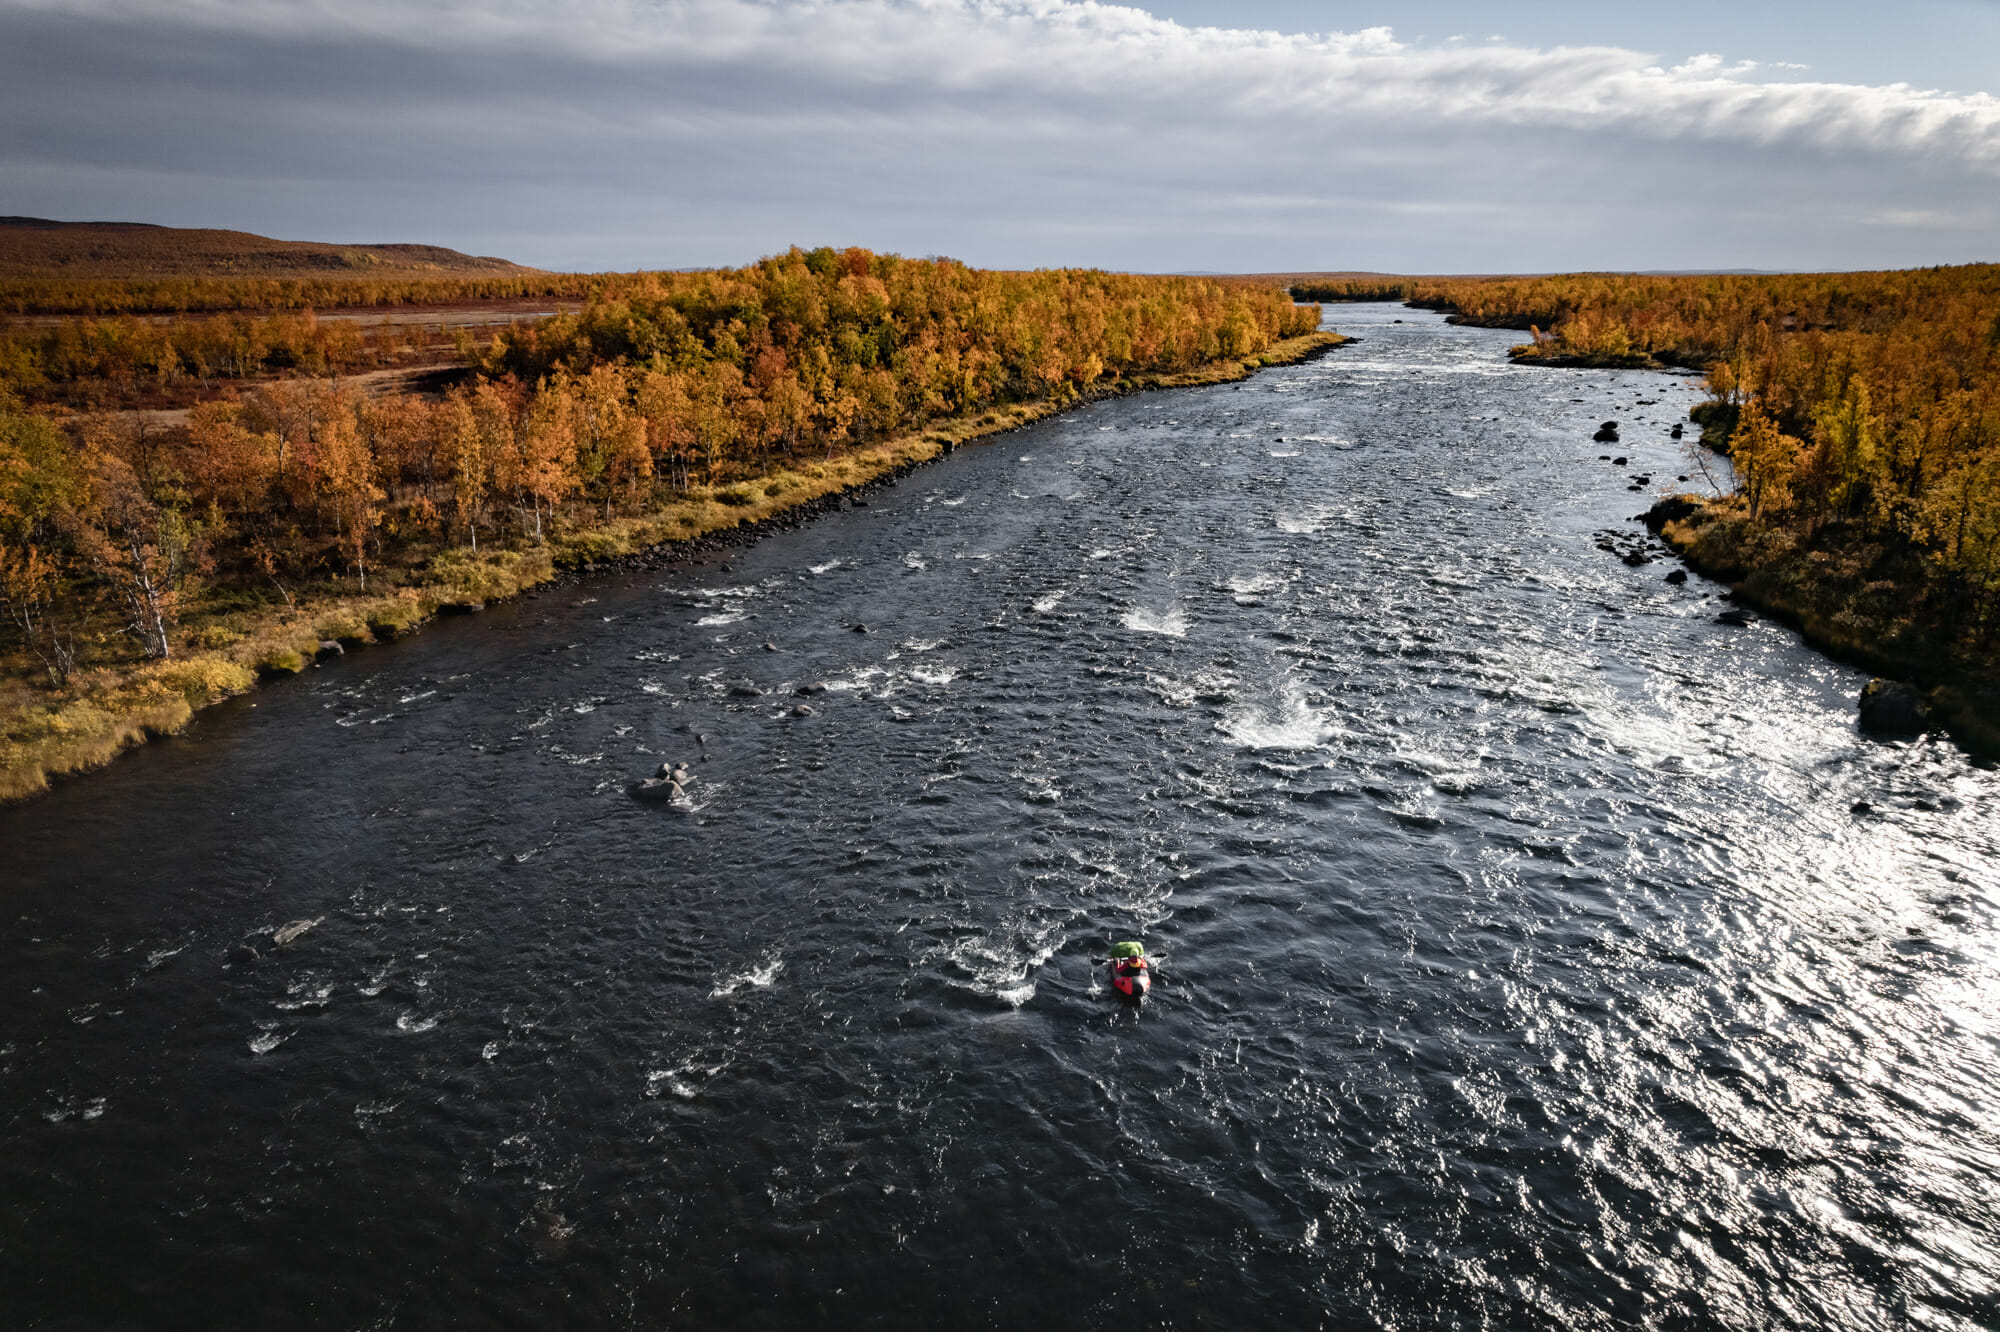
{"points": [[34, 247]]}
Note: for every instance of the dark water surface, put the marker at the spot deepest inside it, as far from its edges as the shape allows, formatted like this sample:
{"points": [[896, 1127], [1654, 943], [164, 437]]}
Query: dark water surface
{"points": [[1527, 960]]}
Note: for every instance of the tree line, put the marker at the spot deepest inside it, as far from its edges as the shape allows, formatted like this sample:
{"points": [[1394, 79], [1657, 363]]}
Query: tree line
{"points": [[193, 295], [662, 384], [131, 360]]}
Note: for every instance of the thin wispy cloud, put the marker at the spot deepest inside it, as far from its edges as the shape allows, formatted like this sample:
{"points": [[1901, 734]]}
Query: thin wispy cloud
{"points": [[711, 123]]}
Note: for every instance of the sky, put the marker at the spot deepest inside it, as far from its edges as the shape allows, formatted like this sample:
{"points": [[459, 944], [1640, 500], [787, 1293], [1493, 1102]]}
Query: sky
{"points": [[1187, 135]]}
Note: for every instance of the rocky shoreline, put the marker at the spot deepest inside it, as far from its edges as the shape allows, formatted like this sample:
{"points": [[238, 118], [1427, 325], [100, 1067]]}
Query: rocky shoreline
{"points": [[1845, 598]]}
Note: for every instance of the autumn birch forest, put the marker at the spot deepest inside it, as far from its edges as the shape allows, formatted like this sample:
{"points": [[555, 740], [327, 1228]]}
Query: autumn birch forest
{"points": [[216, 490]]}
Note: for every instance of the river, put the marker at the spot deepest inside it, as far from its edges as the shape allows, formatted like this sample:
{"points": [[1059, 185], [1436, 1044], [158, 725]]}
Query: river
{"points": [[1535, 950]]}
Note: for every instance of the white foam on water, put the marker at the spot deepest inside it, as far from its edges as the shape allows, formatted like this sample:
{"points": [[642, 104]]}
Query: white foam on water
{"points": [[1282, 453], [1172, 622], [1041, 787], [266, 1041], [1173, 693], [953, 503], [675, 1079], [724, 617], [1290, 725], [1005, 969], [942, 675], [923, 644], [491, 1050], [1300, 524], [912, 560], [828, 567], [411, 1022], [760, 978], [699, 795], [1217, 685], [1049, 602], [306, 996], [1106, 553]]}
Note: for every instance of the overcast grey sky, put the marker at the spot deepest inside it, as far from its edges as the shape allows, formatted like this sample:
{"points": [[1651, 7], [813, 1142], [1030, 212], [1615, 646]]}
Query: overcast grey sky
{"points": [[1255, 135]]}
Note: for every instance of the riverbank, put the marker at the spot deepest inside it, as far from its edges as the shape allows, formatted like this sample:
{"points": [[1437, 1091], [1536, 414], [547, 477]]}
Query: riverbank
{"points": [[1858, 600], [1858, 410], [49, 733]]}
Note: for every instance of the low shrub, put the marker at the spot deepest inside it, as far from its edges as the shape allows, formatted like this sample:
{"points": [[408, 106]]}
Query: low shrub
{"points": [[395, 618], [202, 680], [210, 636]]}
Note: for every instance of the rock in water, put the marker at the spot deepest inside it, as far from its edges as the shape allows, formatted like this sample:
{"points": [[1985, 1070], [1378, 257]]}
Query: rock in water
{"points": [[1678, 576], [284, 934], [1890, 707], [1672, 509]]}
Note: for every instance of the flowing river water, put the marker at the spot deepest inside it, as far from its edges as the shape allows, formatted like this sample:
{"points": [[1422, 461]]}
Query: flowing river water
{"points": [[1536, 951]]}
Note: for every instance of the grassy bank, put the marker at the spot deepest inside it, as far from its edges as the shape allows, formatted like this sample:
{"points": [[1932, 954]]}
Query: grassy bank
{"points": [[1852, 596], [47, 733]]}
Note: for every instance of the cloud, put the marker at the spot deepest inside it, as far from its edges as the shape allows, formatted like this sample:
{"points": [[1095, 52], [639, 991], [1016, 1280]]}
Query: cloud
{"points": [[725, 121]]}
